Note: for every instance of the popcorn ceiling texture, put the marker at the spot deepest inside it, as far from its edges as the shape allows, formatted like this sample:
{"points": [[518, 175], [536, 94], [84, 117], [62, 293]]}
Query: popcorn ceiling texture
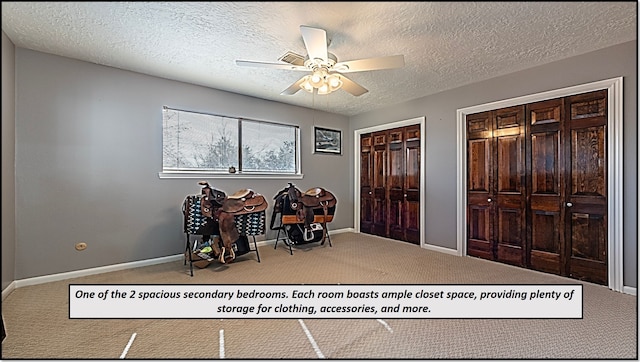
{"points": [[445, 44]]}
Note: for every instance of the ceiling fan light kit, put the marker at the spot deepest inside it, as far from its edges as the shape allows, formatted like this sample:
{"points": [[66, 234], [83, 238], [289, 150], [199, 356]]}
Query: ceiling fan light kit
{"points": [[326, 72], [322, 81]]}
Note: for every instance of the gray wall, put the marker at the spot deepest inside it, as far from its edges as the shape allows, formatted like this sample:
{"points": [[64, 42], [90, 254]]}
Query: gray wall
{"points": [[8, 163], [89, 149], [440, 113]]}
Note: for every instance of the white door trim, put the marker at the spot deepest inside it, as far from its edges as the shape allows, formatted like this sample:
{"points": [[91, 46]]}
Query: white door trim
{"points": [[356, 169], [614, 141]]}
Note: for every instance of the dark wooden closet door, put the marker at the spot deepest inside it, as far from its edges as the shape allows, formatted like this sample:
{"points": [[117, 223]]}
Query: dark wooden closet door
{"points": [[366, 183], [586, 203], [536, 187], [480, 162], [411, 216], [496, 187], [510, 195], [545, 183], [396, 184], [380, 184], [392, 159]]}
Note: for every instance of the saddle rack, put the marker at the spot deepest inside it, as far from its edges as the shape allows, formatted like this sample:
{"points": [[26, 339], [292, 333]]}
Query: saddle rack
{"points": [[219, 217]]}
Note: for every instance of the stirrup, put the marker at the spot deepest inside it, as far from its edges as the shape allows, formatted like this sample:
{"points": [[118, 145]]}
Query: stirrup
{"points": [[308, 234], [232, 254], [221, 257]]}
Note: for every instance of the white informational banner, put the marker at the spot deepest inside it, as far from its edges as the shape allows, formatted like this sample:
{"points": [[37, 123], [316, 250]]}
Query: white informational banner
{"points": [[187, 301]]}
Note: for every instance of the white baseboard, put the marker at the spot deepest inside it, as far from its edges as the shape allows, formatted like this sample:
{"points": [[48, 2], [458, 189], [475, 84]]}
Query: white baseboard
{"points": [[115, 267], [171, 258], [99, 270], [6, 291], [440, 249]]}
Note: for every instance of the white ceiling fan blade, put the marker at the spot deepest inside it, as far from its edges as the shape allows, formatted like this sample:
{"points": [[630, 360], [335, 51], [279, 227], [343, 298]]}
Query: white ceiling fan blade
{"points": [[315, 40], [352, 87], [250, 63], [294, 88], [390, 62]]}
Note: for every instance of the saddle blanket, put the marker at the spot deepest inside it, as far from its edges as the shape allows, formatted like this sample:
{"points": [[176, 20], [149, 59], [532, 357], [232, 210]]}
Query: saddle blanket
{"points": [[251, 224], [194, 222]]}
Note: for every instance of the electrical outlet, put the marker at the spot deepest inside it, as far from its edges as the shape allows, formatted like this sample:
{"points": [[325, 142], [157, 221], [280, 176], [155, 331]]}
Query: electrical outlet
{"points": [[81, 246]]}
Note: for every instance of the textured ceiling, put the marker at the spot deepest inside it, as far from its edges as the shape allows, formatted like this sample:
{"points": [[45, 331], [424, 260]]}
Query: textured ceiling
{"points": [[445, 44]]}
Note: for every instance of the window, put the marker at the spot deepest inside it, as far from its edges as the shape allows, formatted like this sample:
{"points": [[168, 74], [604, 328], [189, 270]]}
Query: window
{"points": [[199, 142]]}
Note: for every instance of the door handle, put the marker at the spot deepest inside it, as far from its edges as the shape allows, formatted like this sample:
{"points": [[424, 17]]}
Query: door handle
{"points": [[489, 200], [569, 204]]}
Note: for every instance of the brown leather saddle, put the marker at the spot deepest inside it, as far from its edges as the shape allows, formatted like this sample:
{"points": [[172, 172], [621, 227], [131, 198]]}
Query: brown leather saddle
{"points": [[313, 199], [242, 202], [245, 201], [211, 199], [297, 207]]}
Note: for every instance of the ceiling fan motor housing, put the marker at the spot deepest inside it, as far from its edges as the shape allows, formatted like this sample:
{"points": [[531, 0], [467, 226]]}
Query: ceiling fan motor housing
{"points": [[317, 63]]}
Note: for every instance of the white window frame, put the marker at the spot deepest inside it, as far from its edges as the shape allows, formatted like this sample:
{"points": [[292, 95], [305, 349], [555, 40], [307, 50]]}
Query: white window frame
{"points": [[185, 174]]}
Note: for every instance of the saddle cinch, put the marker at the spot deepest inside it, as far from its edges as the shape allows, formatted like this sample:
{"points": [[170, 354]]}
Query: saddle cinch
{"points": [[242, 214]]}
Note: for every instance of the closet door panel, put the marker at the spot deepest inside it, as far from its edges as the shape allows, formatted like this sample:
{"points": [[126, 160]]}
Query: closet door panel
{"points": [[545, 241], [479, 166], [510, 196], [411, 195], [586, 225], [479, 190], [479, 231], [366, 184], [396, 184], [544, 182], [509, 235], [380, 184], [588, 162]]}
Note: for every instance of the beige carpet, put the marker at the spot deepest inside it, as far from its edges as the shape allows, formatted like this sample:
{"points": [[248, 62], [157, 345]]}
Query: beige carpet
{"points": [[38, 324]]}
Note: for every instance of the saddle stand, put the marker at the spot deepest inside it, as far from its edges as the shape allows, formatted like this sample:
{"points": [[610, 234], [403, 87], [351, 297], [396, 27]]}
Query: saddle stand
{"points": [[198, 212], [225, 222]]}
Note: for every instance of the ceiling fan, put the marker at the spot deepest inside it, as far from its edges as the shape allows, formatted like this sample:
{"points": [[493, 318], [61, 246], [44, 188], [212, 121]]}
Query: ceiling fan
{"points": [[327, 74]]}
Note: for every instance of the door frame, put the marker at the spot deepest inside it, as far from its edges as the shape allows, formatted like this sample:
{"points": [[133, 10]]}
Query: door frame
{"points": [[615, 237], [356, 169]]}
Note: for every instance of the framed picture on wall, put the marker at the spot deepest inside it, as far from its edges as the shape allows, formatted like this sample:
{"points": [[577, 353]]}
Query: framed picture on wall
{"points": [[327, 140]]}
